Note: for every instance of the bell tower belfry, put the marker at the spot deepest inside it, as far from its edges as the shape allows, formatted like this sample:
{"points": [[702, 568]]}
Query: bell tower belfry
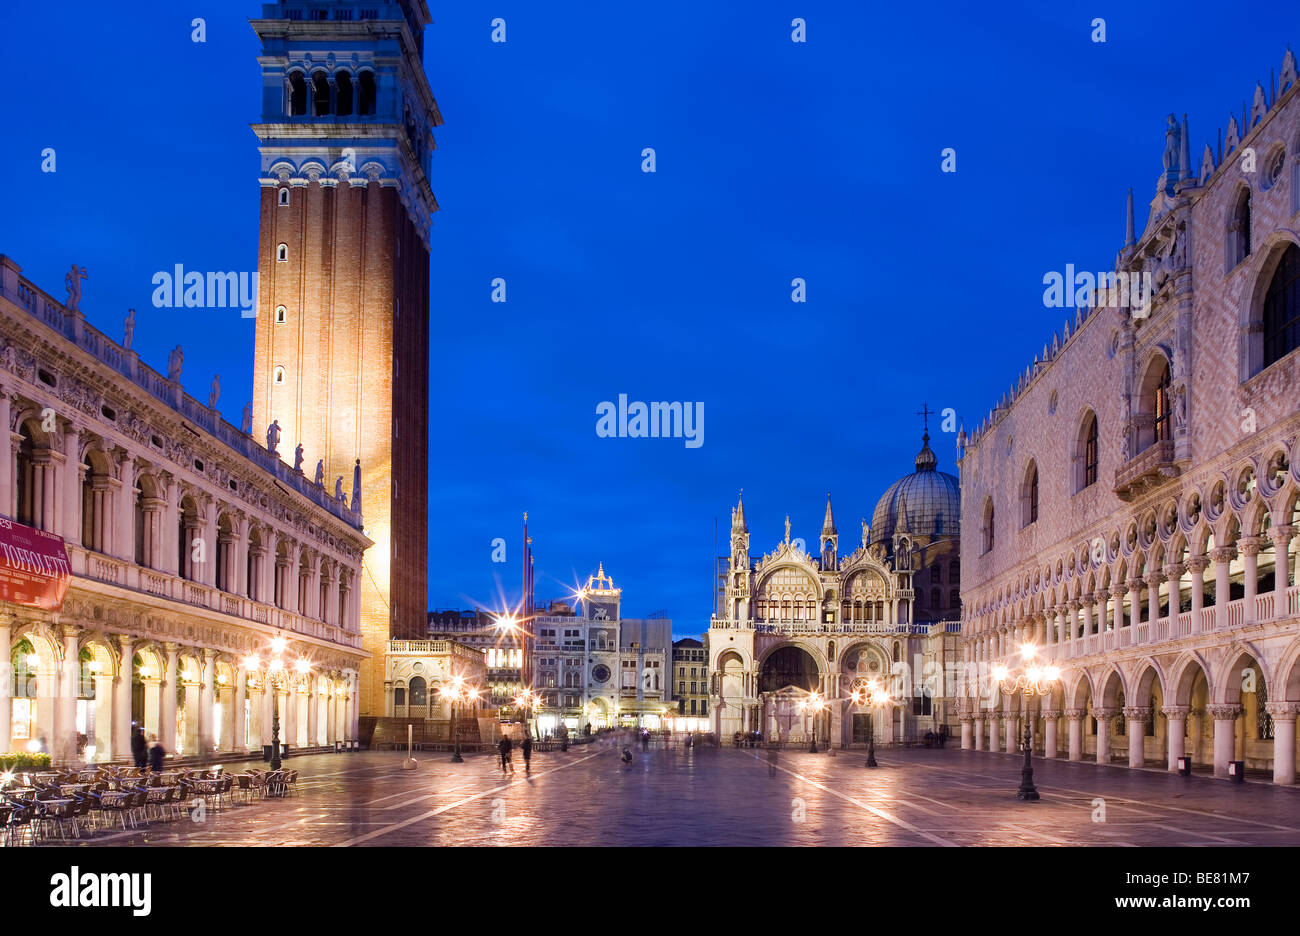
{"points": [[342, 334]]}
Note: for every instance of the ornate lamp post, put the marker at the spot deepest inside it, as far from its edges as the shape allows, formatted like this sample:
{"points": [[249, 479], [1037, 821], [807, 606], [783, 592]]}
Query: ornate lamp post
{"points": [[276, 678], [456, 692], [873, 696], [813, 705], [1031, 680]]}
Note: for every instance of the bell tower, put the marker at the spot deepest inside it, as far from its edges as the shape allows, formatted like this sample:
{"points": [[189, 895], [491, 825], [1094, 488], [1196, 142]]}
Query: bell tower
{"points": [[342, 334]]}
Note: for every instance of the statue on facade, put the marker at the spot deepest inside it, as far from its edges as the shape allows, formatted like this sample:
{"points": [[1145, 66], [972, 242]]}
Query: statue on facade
{"points": [[273, 436], [215, 393], [320, 473], [866, 532], [356, 490], [73, 282], [338, 490], [297, 458], [1180, 410], [247, 425], [175, 362], [787, 528], [129, 328]]}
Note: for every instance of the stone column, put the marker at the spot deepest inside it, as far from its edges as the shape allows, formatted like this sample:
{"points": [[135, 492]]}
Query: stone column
{"points": [[70, 489], [1225, 735], [978, 724], [1050, 746], [313, 609], [1282, 536], [1117, 616], [1103, 717], [7, 621], [240, 741], [354, 719], [65, 743], [313, 710], [207, 703], [1009, 724], [1248, 547], [122, 696], [1153, 581], [169, 542], [1137, 727], [1222, 556], [167, 712], [292, 575], [1075, 718], [967, 732], [994, 733], [124, 512], [1284, 717], [6, 487], [1175, 732], [290, 733], [239, 550], [1103, 599], [330, 714], [1089, 612], [1196, 566], [1134, 601]]}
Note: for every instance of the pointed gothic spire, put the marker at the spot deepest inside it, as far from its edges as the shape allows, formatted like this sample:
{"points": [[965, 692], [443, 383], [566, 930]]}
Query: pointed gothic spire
{"points": [[1207, 164], [356, 487], [738, 515], [1130, 233], [828, 525]]}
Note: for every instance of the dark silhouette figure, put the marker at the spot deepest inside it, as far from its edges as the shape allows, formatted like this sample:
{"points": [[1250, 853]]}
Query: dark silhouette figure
{"points": [[156, 754], [504, 747], [627, 755], [645, 739], [527, 747], [139, 747]]}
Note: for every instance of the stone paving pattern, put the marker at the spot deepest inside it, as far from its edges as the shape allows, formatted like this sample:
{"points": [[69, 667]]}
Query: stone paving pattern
{"points": [[704, 796]]}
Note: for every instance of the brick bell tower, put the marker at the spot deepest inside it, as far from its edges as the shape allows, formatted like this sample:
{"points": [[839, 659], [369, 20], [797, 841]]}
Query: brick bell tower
{"points": [[342, 348]]}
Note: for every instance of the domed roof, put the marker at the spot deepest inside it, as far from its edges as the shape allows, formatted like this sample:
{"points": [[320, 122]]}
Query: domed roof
{"points": [[930, 498]]}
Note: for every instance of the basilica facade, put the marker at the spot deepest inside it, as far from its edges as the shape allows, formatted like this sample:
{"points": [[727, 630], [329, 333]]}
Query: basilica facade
{"points": [[1133, 501], [795, 627]]}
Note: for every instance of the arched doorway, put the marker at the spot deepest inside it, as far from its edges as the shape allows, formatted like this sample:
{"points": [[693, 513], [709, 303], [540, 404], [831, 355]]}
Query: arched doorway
{"points": [[787, 676]]}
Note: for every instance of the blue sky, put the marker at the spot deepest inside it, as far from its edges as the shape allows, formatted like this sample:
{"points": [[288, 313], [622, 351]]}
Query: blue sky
{"points": [[775, 160]]}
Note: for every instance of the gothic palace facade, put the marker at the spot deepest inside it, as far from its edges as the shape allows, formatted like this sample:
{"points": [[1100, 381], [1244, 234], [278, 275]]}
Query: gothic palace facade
{"points": [[1132, 503]]}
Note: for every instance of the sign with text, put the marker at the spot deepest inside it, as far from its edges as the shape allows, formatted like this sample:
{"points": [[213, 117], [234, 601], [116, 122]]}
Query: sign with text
{"points": [[34, 568]]}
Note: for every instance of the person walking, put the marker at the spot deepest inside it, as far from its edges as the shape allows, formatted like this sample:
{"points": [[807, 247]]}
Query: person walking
{"points": [[528, 752], [139, 747], [645, 739], [504, 746], [156, 754]]}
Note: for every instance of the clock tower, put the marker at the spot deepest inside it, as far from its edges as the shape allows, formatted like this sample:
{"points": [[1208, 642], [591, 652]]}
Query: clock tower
{"points": [[342, 335]]}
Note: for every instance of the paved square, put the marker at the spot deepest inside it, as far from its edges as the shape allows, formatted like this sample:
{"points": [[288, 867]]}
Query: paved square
{"points": [[588, 796]]}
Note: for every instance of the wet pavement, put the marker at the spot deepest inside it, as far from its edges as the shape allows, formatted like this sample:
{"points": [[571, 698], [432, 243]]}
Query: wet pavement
{"points": [[708, 796]]}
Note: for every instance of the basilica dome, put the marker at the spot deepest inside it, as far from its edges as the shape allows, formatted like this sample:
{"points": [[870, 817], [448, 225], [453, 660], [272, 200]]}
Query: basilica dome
{"points": [[931, 499]]}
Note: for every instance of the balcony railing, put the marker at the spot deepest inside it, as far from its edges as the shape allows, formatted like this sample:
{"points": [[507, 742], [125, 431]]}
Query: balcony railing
{"points": [[1184, 624], [97, 567], [1148, 469]]}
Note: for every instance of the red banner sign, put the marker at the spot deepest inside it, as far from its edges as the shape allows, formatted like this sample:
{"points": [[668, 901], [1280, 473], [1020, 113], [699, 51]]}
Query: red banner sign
{"points": [[34, 568]]}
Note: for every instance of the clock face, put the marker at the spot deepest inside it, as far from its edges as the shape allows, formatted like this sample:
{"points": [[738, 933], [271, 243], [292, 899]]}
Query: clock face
{"points": [[600, 673]]}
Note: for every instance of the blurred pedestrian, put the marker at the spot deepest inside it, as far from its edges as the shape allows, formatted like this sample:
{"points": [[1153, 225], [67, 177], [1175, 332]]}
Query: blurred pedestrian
{"points": [[504, 747], [139, 747], [156, 754], [528, 753]]}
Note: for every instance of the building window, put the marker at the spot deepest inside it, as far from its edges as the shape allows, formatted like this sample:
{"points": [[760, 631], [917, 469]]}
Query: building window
{"points": [[988, 524], [1282, 308], [297, 95], [284, 196], [1029, 496], [282, 253], [369, 92], [278, 374], [280, 314], [1087, 455], [1238, 240]]}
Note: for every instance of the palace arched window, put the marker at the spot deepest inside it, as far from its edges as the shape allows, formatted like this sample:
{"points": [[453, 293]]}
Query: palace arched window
{"points": [[284, 195], [399, 696], [988, 524], [419, 691], [282, 253], [189, 546], [297, 95], [278, 374], [1087, 454], [1029, 496], [1238, 239], [1154, 423], [281, 314], [320, 95], [1282, 308], [343, 84], [368, 92]]}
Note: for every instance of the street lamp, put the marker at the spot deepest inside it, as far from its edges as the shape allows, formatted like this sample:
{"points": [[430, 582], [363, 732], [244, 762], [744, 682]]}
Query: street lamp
{"points": [[814, 704], [277, 676], [1031, 680], [456, 692], [873, 696]]}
